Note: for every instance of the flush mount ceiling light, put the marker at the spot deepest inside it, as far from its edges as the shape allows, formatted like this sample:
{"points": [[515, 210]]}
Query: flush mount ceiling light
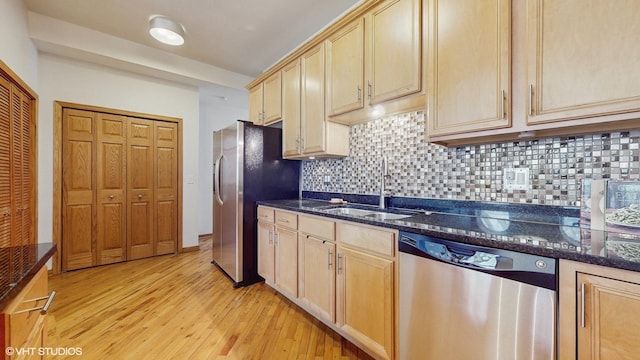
{"points": [[166, 30]]}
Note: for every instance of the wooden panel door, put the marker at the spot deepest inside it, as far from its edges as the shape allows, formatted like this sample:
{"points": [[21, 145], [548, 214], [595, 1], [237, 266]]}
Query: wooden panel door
{"points": [[364, 297], [318, 276], [291, 109], [394, 55], [5, 163], [166, 188], [582, 59], [78, 210], [345, 69], [611, 309], [469, 59], [313, 122], [111, 194], [140, 197]]}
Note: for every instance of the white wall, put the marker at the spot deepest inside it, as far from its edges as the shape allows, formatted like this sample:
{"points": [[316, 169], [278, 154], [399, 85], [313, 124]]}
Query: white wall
{"points": [[215, 114], [83, 83], [16, 48]]}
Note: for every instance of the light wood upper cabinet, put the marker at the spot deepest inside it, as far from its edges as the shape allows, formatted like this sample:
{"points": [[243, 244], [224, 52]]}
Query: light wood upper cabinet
{"points": [[469, 67], [265, 101], [376, 60], [291, 109], [394, 54], [345, 69], [582, 59], [599, 308]]}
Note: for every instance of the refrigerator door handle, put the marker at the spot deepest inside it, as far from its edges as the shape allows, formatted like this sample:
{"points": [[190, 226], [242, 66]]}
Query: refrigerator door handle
{"points": [[216, 180]]}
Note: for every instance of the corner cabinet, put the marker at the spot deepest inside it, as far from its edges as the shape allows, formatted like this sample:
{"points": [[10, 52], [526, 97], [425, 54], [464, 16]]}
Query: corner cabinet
{"points": [[599, 308], [469, 67], [265, 101], [376, 60]]}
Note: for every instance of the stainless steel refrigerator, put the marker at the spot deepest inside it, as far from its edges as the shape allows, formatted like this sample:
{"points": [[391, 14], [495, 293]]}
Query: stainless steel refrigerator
{"points": [[248, 167]]}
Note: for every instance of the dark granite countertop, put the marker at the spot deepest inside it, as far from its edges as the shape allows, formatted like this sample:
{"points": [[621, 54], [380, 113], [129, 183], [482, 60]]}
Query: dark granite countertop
{"points": [[542, 230], [18, 265]]}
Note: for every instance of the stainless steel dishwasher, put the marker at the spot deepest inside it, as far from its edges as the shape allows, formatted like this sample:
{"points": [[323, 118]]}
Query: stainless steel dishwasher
{"points": [[461, 301]]}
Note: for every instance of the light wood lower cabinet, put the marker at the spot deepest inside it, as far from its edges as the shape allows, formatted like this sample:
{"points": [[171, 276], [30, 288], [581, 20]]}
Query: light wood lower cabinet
{"points": [[278, 249], [25, 325], [346, 276], [599, 311]]}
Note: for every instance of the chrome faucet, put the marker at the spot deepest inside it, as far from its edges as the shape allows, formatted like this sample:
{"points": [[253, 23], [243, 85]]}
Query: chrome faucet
{"points": [[383, 174]]}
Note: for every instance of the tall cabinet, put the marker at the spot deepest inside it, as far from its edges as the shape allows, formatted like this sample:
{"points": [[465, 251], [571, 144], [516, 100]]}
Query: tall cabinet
{"points": [[120, 188]]}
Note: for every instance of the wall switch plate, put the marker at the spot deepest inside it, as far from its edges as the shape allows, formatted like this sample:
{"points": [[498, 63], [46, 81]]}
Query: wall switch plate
{"points": [[516, 179]]}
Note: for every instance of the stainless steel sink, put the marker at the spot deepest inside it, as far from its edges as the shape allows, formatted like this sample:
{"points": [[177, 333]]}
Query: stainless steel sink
{"points": [[378, 215], [350, 211], [387, 216]]}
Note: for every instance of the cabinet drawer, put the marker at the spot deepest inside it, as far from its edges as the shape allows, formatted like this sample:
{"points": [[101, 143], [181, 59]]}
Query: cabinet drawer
{"points": [[317, 227], [287, 219], [21, 324], [265, 214], [369, 239]]}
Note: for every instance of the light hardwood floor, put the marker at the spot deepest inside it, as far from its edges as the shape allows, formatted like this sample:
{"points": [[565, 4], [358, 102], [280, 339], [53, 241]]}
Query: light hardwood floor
{"points": [[182, 307]]}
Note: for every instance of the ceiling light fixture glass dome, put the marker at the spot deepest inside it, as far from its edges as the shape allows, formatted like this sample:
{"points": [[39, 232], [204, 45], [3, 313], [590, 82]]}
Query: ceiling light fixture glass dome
{"points": [[166, 30]]}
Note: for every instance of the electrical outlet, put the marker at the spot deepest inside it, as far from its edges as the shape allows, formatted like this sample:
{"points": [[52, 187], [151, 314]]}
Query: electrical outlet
{"points": [[516, 179]]}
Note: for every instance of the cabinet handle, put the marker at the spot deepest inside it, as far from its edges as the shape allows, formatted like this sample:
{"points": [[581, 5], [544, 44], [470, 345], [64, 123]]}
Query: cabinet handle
{"points": [[329, 259], [530, 99], [504, 98], [582, 309], [283, 221], [301, 145], [270, 237], [339, 262], [369, 89], [275, 237], [298, 144], [44, 308], [359, 93]]}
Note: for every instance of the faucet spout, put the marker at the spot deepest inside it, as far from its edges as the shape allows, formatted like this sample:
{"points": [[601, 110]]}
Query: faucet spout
{"points": [[383, 174]]}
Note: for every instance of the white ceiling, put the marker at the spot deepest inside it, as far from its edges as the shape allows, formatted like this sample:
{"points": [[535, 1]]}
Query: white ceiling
{"points": [[242, 36]]}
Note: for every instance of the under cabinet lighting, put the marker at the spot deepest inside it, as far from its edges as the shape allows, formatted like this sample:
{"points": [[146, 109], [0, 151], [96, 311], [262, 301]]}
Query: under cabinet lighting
{"points": [[166, 30]]}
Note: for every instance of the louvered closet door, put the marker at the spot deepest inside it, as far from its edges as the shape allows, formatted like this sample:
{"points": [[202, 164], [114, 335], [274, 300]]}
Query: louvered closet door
{"points": [[25, 199], [166, 187], [140, 197], [5, 163], [78, 210], [111, 180], [17, 236]]}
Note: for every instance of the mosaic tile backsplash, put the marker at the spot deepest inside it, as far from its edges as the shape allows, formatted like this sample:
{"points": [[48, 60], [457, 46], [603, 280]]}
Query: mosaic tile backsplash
{"points": [[423, 170]]}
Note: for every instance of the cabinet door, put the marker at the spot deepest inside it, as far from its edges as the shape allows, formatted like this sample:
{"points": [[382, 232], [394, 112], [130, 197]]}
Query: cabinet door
{"points": [[166, 187], [78, 208], [364, 297], [287, 260], [111, 244], [5, 163], [272, 99], [23, 134], [140, 198], [611, 308], [291, 109], [266, 251], [469, 59], [313, 125], [345, 69], [582, 59], [318, 277], [394, 54], [255, 105]]}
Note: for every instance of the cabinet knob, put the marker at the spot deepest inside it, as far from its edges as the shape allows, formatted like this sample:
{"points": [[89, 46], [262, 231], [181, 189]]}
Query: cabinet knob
{"points": [[139, 196], [111, 197]]}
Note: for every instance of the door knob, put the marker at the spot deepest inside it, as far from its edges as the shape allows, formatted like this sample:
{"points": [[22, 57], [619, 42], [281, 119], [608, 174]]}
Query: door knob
{"points": [[139, 196], [111, 197]]}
